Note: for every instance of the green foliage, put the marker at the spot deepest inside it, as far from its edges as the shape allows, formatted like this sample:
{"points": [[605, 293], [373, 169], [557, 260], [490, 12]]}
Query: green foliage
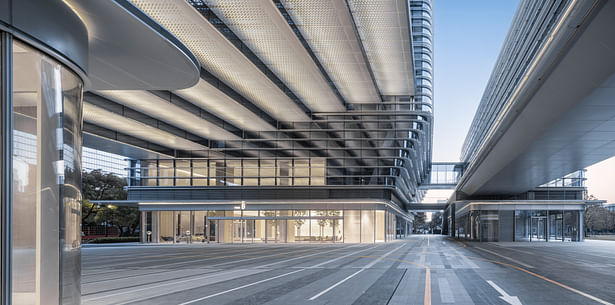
{"points": [[99, 186], [599, 219]]}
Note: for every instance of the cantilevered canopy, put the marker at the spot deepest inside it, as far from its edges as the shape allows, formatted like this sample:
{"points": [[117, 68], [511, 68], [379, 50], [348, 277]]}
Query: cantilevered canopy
{"points": [[128, 50]]}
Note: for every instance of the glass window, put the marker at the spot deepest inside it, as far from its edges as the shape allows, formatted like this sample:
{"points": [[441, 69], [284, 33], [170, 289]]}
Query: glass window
{"points": [[352, 226], [199, 231], [317, 171], [379, 226], [301, 172], [217, 172], [166, 172], [233, 172], [259, 231], [199, 172], [46, 165], [250, 172], [183, 171], [182, 225], [301, 229], [367, 226], [267, 172], [165, 226], [284, 172]]}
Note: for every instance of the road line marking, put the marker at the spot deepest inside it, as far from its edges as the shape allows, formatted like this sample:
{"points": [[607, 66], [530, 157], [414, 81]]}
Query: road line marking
{"points": [[340, 257], [131, 290], [240, 287], [587, 295], [506, 257], [335, 285], [427, 298], [371, 264], [513, 300], [314, 254]]}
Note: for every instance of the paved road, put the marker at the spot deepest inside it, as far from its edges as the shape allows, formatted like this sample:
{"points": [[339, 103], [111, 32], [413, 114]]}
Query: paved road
{"points": [[424, 269]]}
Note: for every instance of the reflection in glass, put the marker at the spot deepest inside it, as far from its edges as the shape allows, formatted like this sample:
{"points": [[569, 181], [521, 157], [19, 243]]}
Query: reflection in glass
{"points": [[367, 226], [46, 179], [352, 226], [165, 226]]}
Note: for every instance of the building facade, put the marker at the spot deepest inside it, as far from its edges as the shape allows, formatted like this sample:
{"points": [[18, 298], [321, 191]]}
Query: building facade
{"points": [[312, 122], [46, 65]]}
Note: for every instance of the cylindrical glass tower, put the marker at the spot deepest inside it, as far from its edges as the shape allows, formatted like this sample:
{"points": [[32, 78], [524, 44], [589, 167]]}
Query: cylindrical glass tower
{"points": [[42, 88]]}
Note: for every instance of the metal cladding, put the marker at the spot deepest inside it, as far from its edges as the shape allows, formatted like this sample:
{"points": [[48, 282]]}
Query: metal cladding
{"points": [[341, 88]]}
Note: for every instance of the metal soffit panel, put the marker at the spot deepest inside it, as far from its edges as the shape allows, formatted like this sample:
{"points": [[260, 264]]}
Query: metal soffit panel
{"points": [[328, 28], [163, 110], [156, 60], [213, 100], [384, 29], [220, 57], [107, 119], [261, 26]]}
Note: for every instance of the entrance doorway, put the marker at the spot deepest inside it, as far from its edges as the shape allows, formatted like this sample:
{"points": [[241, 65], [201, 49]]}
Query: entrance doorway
{"points": [[538, 228]]}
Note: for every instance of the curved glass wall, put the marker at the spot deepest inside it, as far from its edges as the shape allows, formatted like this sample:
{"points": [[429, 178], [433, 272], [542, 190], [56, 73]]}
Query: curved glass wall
{"points": [[46, 179]]}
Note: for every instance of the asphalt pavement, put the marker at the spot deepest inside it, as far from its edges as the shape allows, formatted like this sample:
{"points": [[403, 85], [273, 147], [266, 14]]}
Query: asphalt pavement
{"points": [[423, 269]]}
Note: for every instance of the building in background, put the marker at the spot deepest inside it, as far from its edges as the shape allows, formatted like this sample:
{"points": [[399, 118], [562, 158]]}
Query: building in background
{"points": [[538, 121], [311, 122]]}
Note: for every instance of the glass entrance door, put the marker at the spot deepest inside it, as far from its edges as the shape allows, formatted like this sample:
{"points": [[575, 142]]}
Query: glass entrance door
{"points": [[538, 228], [271, 226], [212, 227], [238, 230]]}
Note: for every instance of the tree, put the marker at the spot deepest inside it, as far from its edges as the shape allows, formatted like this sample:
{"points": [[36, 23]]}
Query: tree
{"points": [[599, 219], [99, 186], [120, 217]]}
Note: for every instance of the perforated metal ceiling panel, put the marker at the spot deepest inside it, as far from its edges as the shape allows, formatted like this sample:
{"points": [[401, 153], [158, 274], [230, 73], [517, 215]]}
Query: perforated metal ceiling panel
{"points": [[107, 119], [384, 29], [163, 110], [261, 26], [218, 56], [213, 100], [327, 27]]}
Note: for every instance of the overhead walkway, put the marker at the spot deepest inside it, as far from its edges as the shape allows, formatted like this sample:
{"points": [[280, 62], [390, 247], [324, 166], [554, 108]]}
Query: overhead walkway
{"points": [[427, 207]]}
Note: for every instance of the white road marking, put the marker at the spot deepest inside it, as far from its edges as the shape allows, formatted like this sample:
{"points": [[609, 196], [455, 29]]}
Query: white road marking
{"points": [[240, 287], [219, 264], [352, 275], [303, 256], [513, 300], [167, 283], [505, 257]]}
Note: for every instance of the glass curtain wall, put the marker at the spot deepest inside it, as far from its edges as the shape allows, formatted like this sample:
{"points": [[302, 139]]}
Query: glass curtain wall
{"points": [[46, 179], [270, 226]]}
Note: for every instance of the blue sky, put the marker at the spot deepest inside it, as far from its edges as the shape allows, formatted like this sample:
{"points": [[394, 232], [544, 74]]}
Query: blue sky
{"points": [[468, 37]]}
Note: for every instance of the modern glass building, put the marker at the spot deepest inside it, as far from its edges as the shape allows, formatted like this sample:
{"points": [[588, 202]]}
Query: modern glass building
{"points": [[47, 62], [504, 193], [311, 122]]}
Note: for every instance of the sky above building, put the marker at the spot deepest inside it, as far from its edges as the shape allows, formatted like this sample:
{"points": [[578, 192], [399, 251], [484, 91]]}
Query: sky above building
{"points": [[468, 38]]}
